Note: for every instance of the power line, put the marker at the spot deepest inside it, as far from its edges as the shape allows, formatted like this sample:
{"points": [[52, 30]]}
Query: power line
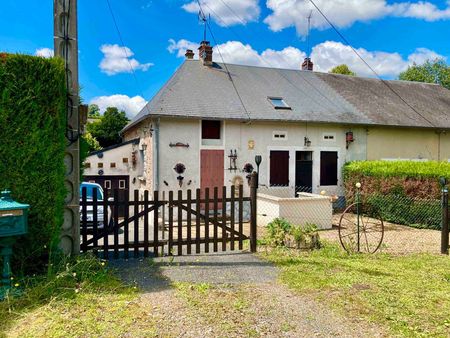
{"points": [[225, 65], [234, 13], [126, 52], [275, 68], [367, 64]]}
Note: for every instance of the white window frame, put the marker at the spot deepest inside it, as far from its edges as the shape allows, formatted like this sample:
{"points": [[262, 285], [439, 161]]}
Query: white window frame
{"points": [[122, 184], [333, 135], [279, 133], [107, 184]]}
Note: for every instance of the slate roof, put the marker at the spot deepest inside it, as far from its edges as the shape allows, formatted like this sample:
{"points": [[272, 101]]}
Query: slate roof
{"points": [[197, 91], [115, 146]]}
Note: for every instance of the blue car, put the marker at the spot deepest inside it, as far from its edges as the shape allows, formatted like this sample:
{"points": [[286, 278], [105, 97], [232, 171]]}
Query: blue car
{"points": [[91, 189]]}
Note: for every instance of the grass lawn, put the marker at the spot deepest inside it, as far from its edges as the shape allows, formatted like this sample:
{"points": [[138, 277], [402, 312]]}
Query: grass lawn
{"points": [[408, 295], [82, 300]]}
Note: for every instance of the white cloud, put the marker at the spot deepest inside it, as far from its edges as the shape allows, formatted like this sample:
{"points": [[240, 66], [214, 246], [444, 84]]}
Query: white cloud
{"points": [[325, 56], [44, 52], [117, 59], [330, 54], [235, 52], [423, 54], [343, 13], [422, 10], [181, 46], [227, 12], [131, 105]]}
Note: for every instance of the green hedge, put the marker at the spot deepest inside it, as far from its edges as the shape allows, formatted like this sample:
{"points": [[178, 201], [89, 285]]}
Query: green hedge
{"points": [[403, 169], [32, 143], [401, 209], [403, 192], [414, 179]]}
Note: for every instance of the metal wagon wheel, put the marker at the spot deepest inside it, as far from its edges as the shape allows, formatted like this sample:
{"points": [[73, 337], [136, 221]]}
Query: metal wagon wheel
{"points": [[359, 232]]}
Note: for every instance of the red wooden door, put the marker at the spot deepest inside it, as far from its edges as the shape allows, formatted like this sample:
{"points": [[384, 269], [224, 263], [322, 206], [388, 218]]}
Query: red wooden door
{"points": [[211, 170]]}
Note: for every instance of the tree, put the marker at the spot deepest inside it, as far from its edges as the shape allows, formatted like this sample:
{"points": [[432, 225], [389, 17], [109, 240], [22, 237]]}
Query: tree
{"points": [[342, 69], [94, 111], [432, 71], [106, 130], [92, 142]]}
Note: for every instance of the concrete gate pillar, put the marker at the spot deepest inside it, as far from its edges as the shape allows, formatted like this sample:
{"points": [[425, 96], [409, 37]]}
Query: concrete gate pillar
{"points": [[66, 47]]}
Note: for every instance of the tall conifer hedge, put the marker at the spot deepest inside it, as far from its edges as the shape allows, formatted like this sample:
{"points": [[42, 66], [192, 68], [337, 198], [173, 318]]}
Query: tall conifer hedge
{"points": [[32, 143]]}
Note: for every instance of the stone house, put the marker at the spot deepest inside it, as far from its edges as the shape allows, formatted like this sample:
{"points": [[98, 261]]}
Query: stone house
{"points": [[207, 123]]}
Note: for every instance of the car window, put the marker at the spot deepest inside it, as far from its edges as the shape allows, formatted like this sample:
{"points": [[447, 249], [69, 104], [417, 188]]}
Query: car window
{"points": [[90, 192]]}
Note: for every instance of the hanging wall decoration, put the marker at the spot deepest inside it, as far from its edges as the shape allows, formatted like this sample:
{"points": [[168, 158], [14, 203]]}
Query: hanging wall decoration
{"points": [[180, 168], [248, 169], [233, 158]]}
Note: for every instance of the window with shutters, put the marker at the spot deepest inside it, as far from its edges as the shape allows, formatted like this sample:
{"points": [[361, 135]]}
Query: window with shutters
{"points": [[328, 168], [279, 168]]}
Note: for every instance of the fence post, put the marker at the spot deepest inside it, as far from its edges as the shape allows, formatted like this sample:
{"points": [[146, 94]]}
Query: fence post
{"points": [[444, 231], [253, 198]]}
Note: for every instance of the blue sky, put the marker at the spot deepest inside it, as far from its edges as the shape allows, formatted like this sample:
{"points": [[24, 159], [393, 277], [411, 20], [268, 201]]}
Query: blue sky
{"points": [[389, 34]]}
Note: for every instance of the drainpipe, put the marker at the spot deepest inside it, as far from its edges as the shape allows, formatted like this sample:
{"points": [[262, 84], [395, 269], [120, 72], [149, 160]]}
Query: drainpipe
{"points": [[156, 152]]}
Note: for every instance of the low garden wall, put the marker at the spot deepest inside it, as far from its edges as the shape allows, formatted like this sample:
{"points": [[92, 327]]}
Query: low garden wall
{"points": [[305, 209]]}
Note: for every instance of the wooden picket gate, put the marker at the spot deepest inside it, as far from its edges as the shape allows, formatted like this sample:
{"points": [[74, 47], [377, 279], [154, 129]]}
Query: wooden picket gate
{"points": [[182, 223]]}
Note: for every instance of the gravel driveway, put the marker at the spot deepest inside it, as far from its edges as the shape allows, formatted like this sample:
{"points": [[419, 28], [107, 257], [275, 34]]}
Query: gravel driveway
{"points": [[230, 295]]}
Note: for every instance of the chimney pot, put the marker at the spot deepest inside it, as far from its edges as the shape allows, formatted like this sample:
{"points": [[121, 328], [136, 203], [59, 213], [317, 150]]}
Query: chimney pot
{"points": [[307, 64], [189, 54], [205, 52]]}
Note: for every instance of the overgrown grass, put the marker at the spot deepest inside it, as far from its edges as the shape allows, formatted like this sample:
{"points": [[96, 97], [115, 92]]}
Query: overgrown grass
{"points": [[409, 295], [82, 299]]}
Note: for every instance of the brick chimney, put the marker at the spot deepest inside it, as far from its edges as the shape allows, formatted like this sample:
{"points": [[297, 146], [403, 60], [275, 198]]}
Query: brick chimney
{"points": [[308, 64], [189, 54], [205, 52]]}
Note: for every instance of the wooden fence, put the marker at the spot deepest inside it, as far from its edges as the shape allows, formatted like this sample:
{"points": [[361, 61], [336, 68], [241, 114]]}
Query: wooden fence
{"points": [[183, 223]]}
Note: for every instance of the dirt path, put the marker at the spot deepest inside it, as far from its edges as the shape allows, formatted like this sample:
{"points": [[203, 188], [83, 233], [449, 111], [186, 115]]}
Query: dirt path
{"points": [[230, 295]]}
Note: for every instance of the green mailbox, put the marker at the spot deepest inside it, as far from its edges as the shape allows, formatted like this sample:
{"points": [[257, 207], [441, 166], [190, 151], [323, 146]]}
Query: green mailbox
{"points": [[13, 223]]}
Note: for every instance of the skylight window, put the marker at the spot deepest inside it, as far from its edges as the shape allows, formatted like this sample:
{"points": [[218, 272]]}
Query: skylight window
{"points": [[278, 103]]}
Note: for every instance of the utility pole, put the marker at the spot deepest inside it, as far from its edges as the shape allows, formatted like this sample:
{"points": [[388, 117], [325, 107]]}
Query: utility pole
{"points": [[66, 47]]}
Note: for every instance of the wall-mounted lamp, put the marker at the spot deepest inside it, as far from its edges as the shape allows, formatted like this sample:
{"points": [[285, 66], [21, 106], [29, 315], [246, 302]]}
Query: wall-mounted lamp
{"points": [[307, 141], [258, 160], [349, 138]]}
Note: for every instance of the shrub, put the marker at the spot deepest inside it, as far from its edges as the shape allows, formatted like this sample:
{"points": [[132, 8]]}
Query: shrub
{"points": [[32, 145], [401, 209], [277, 231], [281, 233], [414, 179], [403, 169]]}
